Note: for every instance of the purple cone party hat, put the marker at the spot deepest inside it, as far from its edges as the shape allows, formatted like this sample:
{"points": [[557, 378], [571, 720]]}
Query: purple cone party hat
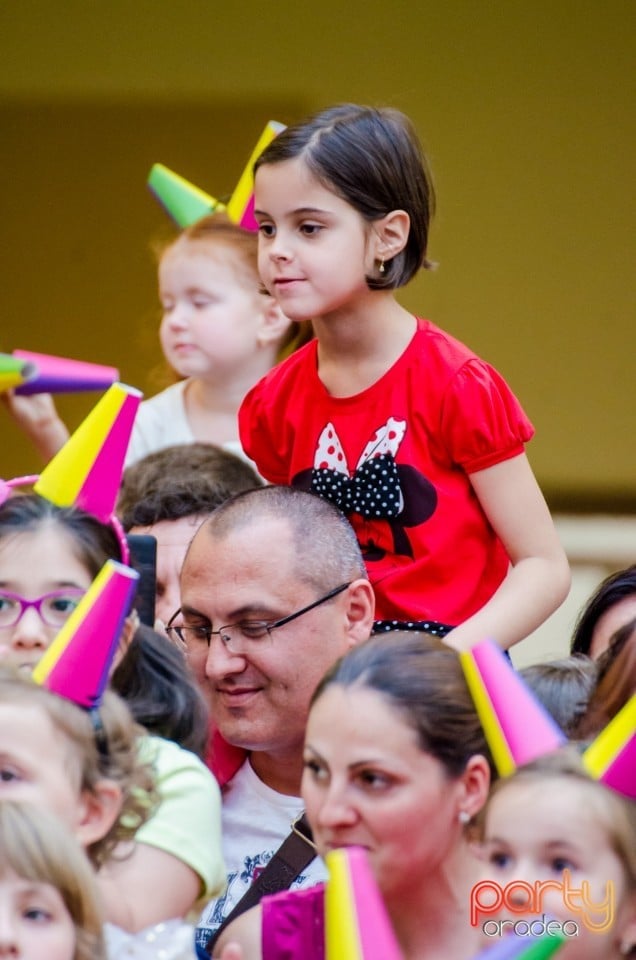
{"points": [[186, 203], [611, 757], [357, 926], [15, 371], [87, 471], [77, 664], [59, 375], [517, 727]]}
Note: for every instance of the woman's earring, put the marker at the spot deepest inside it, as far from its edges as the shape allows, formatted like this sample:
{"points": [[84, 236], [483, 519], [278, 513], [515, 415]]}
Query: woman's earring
{"points": [[381, 266], [464, 817]]}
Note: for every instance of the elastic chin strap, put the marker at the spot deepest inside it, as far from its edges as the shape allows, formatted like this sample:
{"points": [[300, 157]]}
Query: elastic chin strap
{"points": [[121, 536], [6, 486]]}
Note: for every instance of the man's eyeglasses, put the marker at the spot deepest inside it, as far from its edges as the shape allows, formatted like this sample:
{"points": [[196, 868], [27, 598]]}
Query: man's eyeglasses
{"points": [[53, 608], [236, 636]]}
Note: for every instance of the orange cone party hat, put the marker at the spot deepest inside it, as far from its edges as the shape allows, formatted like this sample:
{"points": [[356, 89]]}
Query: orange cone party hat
{"points": [[611, 758], [184, 202], [77, 663], [357, 926], [14, 371], [87, 471], [517, 727], [59, 375]]}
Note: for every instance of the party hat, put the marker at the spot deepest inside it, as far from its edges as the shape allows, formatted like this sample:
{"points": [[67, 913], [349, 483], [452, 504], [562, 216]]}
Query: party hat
{"points": [[59, 375], [14, 371], [87, 470], [357, 926], [240, 208], [517, 727], [515, 947], [77, 663], [184, 202], [611, 758]]}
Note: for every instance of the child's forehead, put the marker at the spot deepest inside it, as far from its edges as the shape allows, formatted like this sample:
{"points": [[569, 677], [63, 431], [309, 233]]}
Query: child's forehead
{"points": [[550, 798], [215, 250]]}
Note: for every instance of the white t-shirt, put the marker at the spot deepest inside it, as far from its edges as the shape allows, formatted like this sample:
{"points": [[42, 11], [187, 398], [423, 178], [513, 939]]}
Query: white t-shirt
{"points": [[255, 820], [162, 422]]}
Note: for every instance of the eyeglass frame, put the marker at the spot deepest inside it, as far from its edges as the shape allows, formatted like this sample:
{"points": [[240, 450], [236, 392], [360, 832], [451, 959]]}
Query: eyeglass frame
{"points": [[25, 604], [267, 625]]}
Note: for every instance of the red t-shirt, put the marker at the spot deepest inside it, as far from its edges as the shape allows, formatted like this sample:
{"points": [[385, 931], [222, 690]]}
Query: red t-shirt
{"points": [[396, 459]]}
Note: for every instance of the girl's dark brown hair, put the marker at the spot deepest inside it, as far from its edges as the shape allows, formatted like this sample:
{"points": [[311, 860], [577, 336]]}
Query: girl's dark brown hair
{"points": [[93, 542]]}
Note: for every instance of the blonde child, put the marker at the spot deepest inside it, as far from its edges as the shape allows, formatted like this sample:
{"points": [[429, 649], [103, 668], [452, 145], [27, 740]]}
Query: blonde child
{"points": [[219, 331], [552, 833], [416, 439], [49, 903]]}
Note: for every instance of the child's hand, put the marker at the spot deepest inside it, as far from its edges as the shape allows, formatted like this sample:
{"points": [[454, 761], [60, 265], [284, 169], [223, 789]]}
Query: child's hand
{"points": [[37, 417]]}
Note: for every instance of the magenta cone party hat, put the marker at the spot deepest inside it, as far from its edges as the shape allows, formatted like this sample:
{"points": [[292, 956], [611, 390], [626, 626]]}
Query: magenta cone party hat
{"points": [[514, 947], [77, 663], [357, 926], [611, 758], [87, 470], [240, 208], [184, 202], [517, 727], [14, 371], [59, 375]]}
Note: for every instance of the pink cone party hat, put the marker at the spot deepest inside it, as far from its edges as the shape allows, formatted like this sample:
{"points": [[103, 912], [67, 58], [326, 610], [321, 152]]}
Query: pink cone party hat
{"points": [[357, 926], [14, 371], [184, 202], [611, 758], [87, 470], [240, 208], [514, 947], [59, 375], [77, 663], [517, 727]]}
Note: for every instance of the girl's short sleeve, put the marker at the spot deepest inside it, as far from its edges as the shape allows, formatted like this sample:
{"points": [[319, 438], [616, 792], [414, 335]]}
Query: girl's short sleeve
{"points": [[482, 421]]}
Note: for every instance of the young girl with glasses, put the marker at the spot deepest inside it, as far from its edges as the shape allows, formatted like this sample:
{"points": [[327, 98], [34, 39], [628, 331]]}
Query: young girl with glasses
{"points": [[49, 556]]}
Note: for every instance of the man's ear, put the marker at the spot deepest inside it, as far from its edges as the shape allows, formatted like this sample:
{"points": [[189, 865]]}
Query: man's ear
{"points": [[99, 811], [392, 233], [274, 324], [360, 610]]}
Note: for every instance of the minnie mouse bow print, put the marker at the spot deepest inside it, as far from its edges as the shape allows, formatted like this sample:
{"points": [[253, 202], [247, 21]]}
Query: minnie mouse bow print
{"points": [[378, 490], [373, 490]]}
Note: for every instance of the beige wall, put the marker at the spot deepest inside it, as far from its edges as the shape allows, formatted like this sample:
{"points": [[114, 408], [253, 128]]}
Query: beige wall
{"points": [[525, 108]]}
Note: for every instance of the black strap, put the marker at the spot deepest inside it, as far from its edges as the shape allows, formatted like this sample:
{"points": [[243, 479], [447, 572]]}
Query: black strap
{"points": [[294, 854]]}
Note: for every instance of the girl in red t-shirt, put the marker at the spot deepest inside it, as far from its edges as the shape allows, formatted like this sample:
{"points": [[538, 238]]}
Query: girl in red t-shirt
{"points": [[417, 440]]}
